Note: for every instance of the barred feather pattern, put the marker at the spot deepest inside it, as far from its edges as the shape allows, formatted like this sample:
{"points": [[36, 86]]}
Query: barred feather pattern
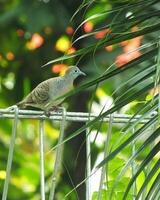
{"points": [[47, 94], [38, 97]]}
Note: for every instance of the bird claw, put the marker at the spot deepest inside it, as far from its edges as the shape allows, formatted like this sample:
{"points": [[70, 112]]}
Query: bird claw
{"points": [[47, 113], [54, 109]]}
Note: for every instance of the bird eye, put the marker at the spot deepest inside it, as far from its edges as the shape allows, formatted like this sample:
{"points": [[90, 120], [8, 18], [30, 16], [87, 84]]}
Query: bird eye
{"points": [[76, 70]]}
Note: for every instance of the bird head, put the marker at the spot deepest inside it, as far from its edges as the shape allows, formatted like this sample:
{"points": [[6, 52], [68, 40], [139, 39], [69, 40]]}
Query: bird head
{"points": [[74, 72]]}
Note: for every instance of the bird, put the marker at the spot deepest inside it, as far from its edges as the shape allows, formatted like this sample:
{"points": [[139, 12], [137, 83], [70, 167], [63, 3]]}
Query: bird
{"points": [[46, 96]]}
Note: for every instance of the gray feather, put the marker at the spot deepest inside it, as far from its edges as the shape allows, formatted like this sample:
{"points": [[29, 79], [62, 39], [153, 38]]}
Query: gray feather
{"points": [[46, 94]]}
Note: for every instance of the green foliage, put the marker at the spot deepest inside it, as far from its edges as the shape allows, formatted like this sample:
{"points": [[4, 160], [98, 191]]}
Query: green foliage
{"points": [[118, 29]]}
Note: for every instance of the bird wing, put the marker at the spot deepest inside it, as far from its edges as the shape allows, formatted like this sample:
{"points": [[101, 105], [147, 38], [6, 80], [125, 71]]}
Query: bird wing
{"points": [[39, 96]]}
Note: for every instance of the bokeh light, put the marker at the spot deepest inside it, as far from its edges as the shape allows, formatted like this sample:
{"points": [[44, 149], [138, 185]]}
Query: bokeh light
{"points": [[69, 30], [35, 42], [88, 26], [59, 68], [10, 56], [101, 34], [63, 44]]}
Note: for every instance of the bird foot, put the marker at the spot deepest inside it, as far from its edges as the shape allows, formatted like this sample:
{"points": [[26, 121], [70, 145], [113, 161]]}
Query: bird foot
{"points": [[56, 109], [53, 109], [47, 113]]}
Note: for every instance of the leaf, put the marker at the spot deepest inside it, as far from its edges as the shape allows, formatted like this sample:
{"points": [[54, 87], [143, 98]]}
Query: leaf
{"points": [[127, 142], [148, 178], [148, 158], [148, 141], [112, 73], [108, 42], [153, 187], [110, 111]]}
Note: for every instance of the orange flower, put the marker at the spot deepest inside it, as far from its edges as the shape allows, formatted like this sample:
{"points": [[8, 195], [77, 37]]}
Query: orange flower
{"points": [[128, 47], [121, 60], [69, 30], [57, 68], [71, 50], [135, 54], [35, 42], [101, 34], [88, 26], [125, 58], [124, 43], [109, 48], [133, 44], [10, 56]]}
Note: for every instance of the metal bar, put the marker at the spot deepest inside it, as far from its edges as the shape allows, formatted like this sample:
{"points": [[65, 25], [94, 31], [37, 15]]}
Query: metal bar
{"points": [[10, 154], [58, 156], [71, 116], [106, 151], [15, 114], [41, 149], [73, 119], [88, 163], [80, 114]]}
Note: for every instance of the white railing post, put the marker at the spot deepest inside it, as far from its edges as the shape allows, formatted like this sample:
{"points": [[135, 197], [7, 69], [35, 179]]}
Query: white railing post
{"points": [[41, 150], [58, 155], [10, 154]]}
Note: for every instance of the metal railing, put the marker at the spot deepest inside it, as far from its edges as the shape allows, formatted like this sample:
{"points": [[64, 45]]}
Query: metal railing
{"points": [[15, 114]]}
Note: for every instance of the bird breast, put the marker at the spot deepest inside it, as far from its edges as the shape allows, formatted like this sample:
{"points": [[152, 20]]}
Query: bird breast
{"points": [[59, 88]]}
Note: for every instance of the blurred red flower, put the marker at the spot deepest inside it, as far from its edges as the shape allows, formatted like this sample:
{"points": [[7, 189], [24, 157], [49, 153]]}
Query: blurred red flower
{"points": [[58, 68], [125, 58], [10, 56], [129, 49], [101, 34], [88, 26], [109, 48], [124, 43], [71, 50], [35, 42], [69, 30], [133, 44]]}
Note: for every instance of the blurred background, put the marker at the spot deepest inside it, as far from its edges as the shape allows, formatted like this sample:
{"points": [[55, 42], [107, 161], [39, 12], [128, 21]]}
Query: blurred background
{"points": [[34, 32]]}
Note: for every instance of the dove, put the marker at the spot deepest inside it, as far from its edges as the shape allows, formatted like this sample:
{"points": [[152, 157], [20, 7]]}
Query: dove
{"points": [[46, 95]]}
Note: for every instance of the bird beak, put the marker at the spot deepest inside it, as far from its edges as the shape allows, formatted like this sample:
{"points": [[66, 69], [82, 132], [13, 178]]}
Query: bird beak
{"points": [[82, 73]]}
